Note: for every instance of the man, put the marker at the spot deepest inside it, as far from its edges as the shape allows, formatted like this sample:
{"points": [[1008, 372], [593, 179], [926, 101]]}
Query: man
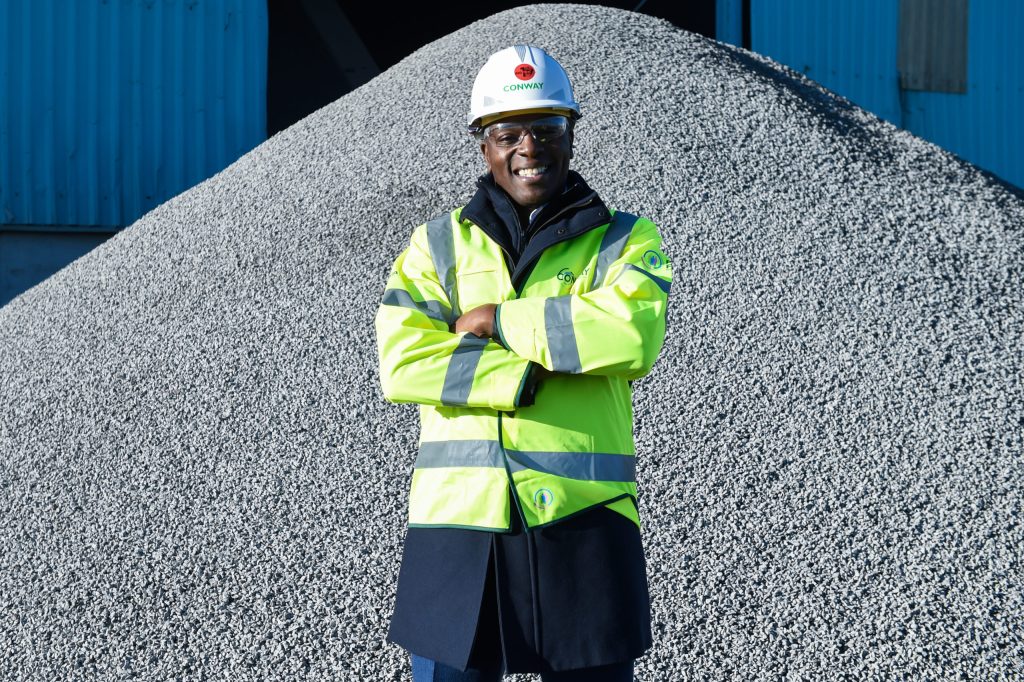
{"points": [[518, 322]]}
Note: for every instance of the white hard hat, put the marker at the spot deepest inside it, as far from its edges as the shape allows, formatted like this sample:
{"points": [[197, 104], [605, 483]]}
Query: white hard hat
{"points": [[520, 78]]}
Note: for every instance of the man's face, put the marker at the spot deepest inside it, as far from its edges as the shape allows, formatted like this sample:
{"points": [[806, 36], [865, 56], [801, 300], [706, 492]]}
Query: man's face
{"points": [[509, 165]]}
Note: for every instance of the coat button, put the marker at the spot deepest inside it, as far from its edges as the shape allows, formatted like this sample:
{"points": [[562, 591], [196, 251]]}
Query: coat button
{"points": [[561, 230]]}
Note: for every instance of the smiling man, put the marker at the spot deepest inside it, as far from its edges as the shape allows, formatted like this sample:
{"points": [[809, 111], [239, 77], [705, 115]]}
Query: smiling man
{"points": [[519, 322]]}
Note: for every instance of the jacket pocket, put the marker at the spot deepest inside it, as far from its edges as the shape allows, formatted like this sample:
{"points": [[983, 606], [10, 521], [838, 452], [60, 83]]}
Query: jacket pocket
{"points": [[478, 287]]}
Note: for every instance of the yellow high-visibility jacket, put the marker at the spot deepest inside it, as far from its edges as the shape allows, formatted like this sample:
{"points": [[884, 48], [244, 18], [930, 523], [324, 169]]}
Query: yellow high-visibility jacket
{"points": [[592, 309]]}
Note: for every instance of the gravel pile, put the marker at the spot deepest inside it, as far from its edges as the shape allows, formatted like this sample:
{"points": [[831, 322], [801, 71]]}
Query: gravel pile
{"points": [[200, 479]]}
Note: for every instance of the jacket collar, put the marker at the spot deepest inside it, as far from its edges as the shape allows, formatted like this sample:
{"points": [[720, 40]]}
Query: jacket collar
{"points": [[577, 210]]}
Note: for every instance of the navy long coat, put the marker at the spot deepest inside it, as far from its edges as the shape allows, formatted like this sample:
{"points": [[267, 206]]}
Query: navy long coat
{"points": [[570, 595]]}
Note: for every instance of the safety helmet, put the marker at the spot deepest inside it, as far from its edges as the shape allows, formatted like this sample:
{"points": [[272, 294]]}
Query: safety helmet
{"points": [[520, 79]]}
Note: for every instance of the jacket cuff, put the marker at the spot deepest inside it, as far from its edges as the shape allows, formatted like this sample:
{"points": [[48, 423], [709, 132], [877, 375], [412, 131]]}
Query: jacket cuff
{"points": [[528, 388], [497, 327]]}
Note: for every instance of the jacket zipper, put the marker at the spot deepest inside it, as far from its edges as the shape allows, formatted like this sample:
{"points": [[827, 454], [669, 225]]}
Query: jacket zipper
{"points": [[512, 484], [530, 549], [514, 492], [501, 442]]}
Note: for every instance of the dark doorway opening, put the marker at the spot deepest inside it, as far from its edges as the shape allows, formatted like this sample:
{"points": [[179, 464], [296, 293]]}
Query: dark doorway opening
{"points": [[307, 71]]}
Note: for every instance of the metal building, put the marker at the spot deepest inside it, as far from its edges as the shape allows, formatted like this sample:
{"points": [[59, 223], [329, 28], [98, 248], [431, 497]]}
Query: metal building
{"points": [[949, 71], [110, 108]]}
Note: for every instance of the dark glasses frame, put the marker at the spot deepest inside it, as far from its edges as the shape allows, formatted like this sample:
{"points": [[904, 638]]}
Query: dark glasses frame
{"points": [[512, 133]]}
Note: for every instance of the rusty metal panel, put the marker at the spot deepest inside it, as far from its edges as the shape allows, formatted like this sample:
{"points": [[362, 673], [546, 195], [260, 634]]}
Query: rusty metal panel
{"points": [[933, 45]]}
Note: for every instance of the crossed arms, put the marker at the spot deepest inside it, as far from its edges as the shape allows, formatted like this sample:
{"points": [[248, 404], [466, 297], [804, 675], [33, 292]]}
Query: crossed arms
{"points": [[485, 357]]}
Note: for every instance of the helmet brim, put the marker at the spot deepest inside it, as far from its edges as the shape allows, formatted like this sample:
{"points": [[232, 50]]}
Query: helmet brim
{"points": [[541, 107]]}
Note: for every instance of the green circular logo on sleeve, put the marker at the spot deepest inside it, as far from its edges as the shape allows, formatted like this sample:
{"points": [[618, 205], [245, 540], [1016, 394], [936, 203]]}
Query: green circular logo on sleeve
{"points": [[653, 259], [543, 498]]}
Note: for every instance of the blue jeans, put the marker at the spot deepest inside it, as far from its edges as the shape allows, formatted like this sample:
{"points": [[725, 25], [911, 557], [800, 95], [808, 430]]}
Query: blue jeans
{"points": [[426, 670]]}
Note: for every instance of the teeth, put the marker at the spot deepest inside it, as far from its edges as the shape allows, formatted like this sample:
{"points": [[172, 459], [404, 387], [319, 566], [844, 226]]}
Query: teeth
{"points": [[531, 172]]}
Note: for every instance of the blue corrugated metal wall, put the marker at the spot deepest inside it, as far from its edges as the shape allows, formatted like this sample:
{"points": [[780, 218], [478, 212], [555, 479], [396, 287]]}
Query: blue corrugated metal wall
{"points": [[848, 46], [984, 125], [110, 108], [851, 47], [729, 21]]}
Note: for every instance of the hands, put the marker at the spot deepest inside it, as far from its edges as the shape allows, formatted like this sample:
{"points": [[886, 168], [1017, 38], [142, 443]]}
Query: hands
{"points": [[478, 321]]}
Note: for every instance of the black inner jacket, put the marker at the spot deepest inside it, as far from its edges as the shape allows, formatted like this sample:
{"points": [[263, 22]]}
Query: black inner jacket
{"points": [[570, 214]]}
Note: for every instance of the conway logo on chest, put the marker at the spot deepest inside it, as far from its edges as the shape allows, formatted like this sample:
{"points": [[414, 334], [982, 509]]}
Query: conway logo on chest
{"points": [[566, 276]]}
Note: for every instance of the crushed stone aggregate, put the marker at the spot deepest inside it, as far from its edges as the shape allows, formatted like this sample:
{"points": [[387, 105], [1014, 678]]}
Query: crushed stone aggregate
{"points": [[200, 479]]}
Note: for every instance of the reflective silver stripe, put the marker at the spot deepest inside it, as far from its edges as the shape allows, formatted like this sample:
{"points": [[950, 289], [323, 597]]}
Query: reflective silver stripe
{"points": [[612, 244], [458, 380], [402, 299], [565, 357], [585, 466], [663, 284], [442, 251], [459, 453]]}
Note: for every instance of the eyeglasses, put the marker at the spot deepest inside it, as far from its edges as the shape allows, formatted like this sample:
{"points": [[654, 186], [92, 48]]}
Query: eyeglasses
{"points": [[512, 133]]}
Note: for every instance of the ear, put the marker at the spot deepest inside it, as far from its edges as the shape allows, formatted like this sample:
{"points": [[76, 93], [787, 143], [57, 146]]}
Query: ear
{"points": [[483, 151], [571, 140]]}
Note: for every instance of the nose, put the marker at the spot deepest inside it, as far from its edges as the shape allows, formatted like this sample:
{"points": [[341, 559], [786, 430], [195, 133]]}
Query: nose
{"points": [[528, 146]]}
